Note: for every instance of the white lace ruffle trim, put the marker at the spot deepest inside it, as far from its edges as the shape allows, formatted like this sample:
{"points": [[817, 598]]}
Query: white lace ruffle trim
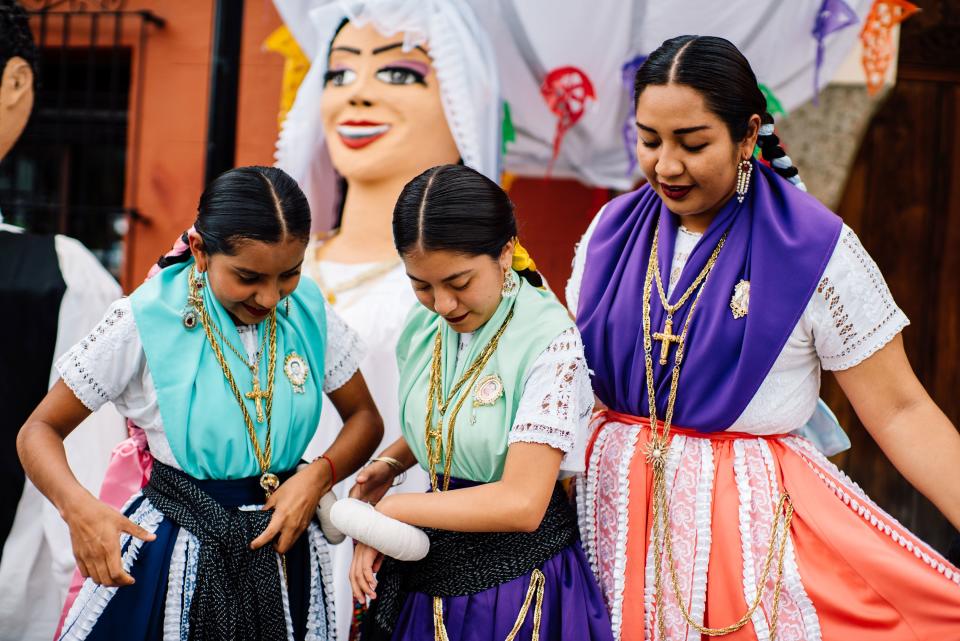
{"points": [[793, 584], [704, 511], [854, 497], [322, 615], [93, 598]]}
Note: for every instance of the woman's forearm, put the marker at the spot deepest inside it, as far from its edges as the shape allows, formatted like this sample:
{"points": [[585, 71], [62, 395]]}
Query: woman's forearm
{"points": [[907, 425], [515, 503], [362, 428], [924, 446], [401, 452], [40, 447], [356, 442], [490, 507], [44, 460]]}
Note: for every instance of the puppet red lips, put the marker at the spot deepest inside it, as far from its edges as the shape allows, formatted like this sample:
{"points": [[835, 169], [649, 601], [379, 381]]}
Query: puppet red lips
{"points": [[360, 133]]}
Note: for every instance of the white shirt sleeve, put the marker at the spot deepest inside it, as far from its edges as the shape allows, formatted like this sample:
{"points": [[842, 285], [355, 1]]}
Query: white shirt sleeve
{"points": [[344, 351], [103, 364], [579, 264], [557, 400], [852, 312], [90, 291]]}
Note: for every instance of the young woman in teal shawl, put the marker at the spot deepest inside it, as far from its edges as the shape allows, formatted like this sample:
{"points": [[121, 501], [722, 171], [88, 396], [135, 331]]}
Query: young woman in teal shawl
{"points": [[494, 403], [221, 359]]}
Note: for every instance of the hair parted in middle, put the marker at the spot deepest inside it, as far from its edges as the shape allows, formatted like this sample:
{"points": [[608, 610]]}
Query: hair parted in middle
{"points": [[458, 209], [247, 203], [719, 72]]}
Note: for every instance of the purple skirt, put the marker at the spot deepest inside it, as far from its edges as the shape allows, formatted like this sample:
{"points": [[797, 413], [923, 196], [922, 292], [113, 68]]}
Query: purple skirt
{"points": [[573, 607]]}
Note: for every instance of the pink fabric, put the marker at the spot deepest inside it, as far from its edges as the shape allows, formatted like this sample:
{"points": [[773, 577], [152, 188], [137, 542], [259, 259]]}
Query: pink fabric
{"points": [[850, 570], [129, 469]]}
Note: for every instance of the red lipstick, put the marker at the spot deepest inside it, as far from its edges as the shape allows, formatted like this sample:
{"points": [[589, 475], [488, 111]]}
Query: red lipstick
{"points": [[254, 311], [675, 192]]}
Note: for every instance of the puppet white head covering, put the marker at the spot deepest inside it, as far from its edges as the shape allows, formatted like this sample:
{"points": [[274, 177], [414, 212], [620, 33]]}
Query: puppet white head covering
{"points": [[462, 57]]}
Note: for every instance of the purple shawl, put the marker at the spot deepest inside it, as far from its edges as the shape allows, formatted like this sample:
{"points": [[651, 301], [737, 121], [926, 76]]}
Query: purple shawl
{"points": [[780, 239]]}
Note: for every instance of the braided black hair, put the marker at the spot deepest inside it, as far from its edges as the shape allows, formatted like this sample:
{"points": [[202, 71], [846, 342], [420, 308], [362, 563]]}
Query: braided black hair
{"points": [[456, 208], [16, 39], [247, 203], [717, 70]]}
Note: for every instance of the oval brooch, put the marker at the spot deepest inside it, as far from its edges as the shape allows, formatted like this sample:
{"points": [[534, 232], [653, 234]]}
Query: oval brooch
{"points": [[489, 389], [296, 369]]}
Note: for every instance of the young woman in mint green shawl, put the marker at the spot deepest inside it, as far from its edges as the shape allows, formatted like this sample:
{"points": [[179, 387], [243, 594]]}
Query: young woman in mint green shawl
{"points": [[500, 525]]}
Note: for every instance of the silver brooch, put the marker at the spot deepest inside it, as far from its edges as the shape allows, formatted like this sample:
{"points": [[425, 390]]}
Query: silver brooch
{"points": [[190, 317], [740, 302]]}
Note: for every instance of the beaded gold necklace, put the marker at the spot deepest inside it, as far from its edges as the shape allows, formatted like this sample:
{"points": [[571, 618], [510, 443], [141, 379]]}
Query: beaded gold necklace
{"points": [[658, 449], [268, 481]]}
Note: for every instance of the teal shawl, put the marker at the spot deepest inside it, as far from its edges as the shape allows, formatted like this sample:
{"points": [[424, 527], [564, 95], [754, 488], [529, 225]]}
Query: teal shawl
{"points": [[201, 417]]}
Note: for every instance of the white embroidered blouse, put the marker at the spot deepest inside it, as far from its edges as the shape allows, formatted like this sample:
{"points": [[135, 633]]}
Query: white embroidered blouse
{"points": [[556, 402], [851, 316], [109, 365]]}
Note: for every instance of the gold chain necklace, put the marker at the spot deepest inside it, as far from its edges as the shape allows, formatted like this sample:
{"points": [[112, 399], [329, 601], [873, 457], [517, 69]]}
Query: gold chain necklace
{"points": [[331, 292], [257, 395], [435, 448], [434, 434], [268, 481], [656, 454], [666, 338]]}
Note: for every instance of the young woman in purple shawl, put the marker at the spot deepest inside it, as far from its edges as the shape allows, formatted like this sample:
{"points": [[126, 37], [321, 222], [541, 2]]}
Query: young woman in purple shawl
{"points": [[709, 300]]}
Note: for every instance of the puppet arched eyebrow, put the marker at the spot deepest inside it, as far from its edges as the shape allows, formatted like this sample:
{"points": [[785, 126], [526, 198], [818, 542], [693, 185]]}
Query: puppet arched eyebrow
{"points": [[352, 50], [396, 45], [376, 51]]}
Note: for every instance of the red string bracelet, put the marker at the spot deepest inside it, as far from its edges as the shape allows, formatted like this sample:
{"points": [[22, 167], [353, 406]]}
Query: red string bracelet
{"points": [[333, 469]]}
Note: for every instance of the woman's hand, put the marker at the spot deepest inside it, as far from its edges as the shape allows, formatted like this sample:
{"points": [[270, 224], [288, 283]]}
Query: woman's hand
{"points": [[373, 481], [294, 504], [366, 562], [95, 530]]}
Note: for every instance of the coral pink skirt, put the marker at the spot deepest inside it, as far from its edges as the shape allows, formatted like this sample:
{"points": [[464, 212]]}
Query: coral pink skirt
{"points": [[851, 572]]}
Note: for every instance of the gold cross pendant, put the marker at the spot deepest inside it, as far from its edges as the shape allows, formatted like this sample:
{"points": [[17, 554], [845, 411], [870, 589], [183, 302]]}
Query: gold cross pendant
{"points": [[258, 396], [666, 338]]}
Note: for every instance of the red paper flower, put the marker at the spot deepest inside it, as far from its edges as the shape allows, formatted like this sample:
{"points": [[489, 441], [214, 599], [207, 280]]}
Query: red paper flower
{"points": [[566, 91]]}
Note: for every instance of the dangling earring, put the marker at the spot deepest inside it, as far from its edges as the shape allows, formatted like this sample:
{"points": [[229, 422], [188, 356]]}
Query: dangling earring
{"points": [[509, 284], [286, 306], [744, 171], [190, 315]]}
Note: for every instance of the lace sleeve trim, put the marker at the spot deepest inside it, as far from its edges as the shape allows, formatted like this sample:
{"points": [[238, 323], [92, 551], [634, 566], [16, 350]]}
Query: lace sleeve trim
{"points": [[343, 353], [559, 438], [557, 397], [88, 368], [857, 312]]}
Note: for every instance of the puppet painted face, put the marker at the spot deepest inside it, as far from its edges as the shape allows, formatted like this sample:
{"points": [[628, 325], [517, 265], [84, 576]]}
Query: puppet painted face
{"points": [[686, 153], [381, 108]]}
